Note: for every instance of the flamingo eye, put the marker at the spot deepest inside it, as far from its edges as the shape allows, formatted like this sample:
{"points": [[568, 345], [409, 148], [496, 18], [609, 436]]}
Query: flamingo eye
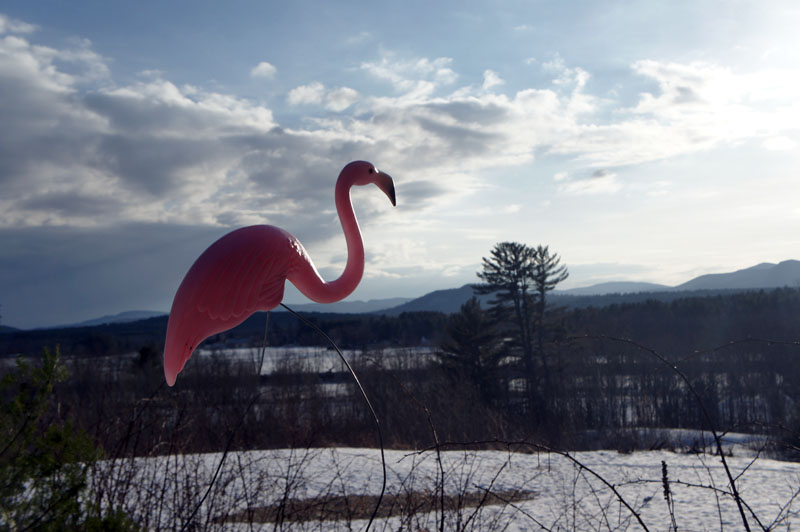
{"points": [[371, 170]]}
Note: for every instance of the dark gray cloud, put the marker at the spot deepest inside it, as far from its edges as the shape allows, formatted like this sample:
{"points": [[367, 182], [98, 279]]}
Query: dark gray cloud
{"points": [[471, 112], [137, 114], [72, 204], [151, 164], [64, 275], [463, 141], [421, 194], [40, 124], [685, 94]]}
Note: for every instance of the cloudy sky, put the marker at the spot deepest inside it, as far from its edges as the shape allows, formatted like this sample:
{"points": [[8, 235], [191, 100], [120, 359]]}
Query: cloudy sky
{"points": [[650, 141]]}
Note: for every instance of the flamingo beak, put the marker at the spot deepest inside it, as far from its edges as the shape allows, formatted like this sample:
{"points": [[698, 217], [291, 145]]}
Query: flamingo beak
{"points": [[386, 184]]}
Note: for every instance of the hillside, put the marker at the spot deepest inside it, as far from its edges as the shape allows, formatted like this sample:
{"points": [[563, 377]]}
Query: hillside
{"points": [[348, 307], [447, 301], [122, 317], [764, 275], [619, 287], [761, 276]]}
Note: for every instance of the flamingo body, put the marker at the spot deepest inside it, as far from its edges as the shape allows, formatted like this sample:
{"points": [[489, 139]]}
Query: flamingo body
{"points": [[239, 274], [245, 271]]}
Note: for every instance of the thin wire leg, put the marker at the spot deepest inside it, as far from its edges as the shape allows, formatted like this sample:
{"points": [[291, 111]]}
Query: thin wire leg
{"points": [[230, 439], [257, 395], [263, 348], [366, 399]]}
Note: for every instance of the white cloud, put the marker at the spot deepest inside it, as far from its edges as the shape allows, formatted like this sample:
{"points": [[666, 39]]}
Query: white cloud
{"points": [[151, 73], [316, 93], [421, 76], [310, 94], [491, 79], [340, 99], [717, 104], [263, 70], [780, 143], [359, 38], [148, 151], [600, 182], [570, 76], [9, 25]]}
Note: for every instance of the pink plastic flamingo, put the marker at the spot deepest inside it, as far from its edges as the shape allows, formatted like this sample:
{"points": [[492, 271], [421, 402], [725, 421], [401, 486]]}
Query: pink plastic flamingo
{"points": [[245, 271]]}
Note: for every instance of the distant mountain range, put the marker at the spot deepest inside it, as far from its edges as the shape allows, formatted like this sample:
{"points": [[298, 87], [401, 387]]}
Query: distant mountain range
{"points": [[349, 307], [122, 317], [341, 307], [764, 275], [620, 287]]}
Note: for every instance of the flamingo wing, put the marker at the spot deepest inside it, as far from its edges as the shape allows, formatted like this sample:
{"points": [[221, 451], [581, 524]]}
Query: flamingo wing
{"points": [[241, 273], [251, 280]]}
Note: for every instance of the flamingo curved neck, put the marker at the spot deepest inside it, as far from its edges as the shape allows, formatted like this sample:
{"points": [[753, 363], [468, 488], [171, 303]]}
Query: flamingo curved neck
{"points": [[306, 278]]}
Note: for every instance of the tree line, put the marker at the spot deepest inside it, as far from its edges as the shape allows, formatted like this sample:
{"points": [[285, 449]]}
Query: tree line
{"points": [[352, 331]]}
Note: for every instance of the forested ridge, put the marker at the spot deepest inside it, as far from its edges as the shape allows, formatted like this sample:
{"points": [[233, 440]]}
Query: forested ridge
{"points": [[350, 330], [692, 323], [687, 322]]}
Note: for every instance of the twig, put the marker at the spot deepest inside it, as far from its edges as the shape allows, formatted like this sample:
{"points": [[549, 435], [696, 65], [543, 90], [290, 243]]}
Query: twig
{"points": [[750, 464], [520, 510], [436, 442], [783, 514], [545, 448], [222, 461], [486, 493], [250, 511], [734, 343], [674, 367], [701, 486], [593, 491], [668, 494]]}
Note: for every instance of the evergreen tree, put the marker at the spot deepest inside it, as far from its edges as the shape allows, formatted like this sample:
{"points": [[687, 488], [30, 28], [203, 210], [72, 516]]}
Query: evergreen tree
{"points": [[508, 274], [547, 273], [473, 349], [44, 462], [519, 277]]}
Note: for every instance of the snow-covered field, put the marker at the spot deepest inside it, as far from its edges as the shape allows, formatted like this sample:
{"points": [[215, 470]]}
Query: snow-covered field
{"points": [[554, 492], [317, 359], [301, 359]]}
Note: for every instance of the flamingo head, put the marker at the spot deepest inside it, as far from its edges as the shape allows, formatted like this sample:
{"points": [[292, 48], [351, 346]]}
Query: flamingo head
{"points": [[362, 173]]}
